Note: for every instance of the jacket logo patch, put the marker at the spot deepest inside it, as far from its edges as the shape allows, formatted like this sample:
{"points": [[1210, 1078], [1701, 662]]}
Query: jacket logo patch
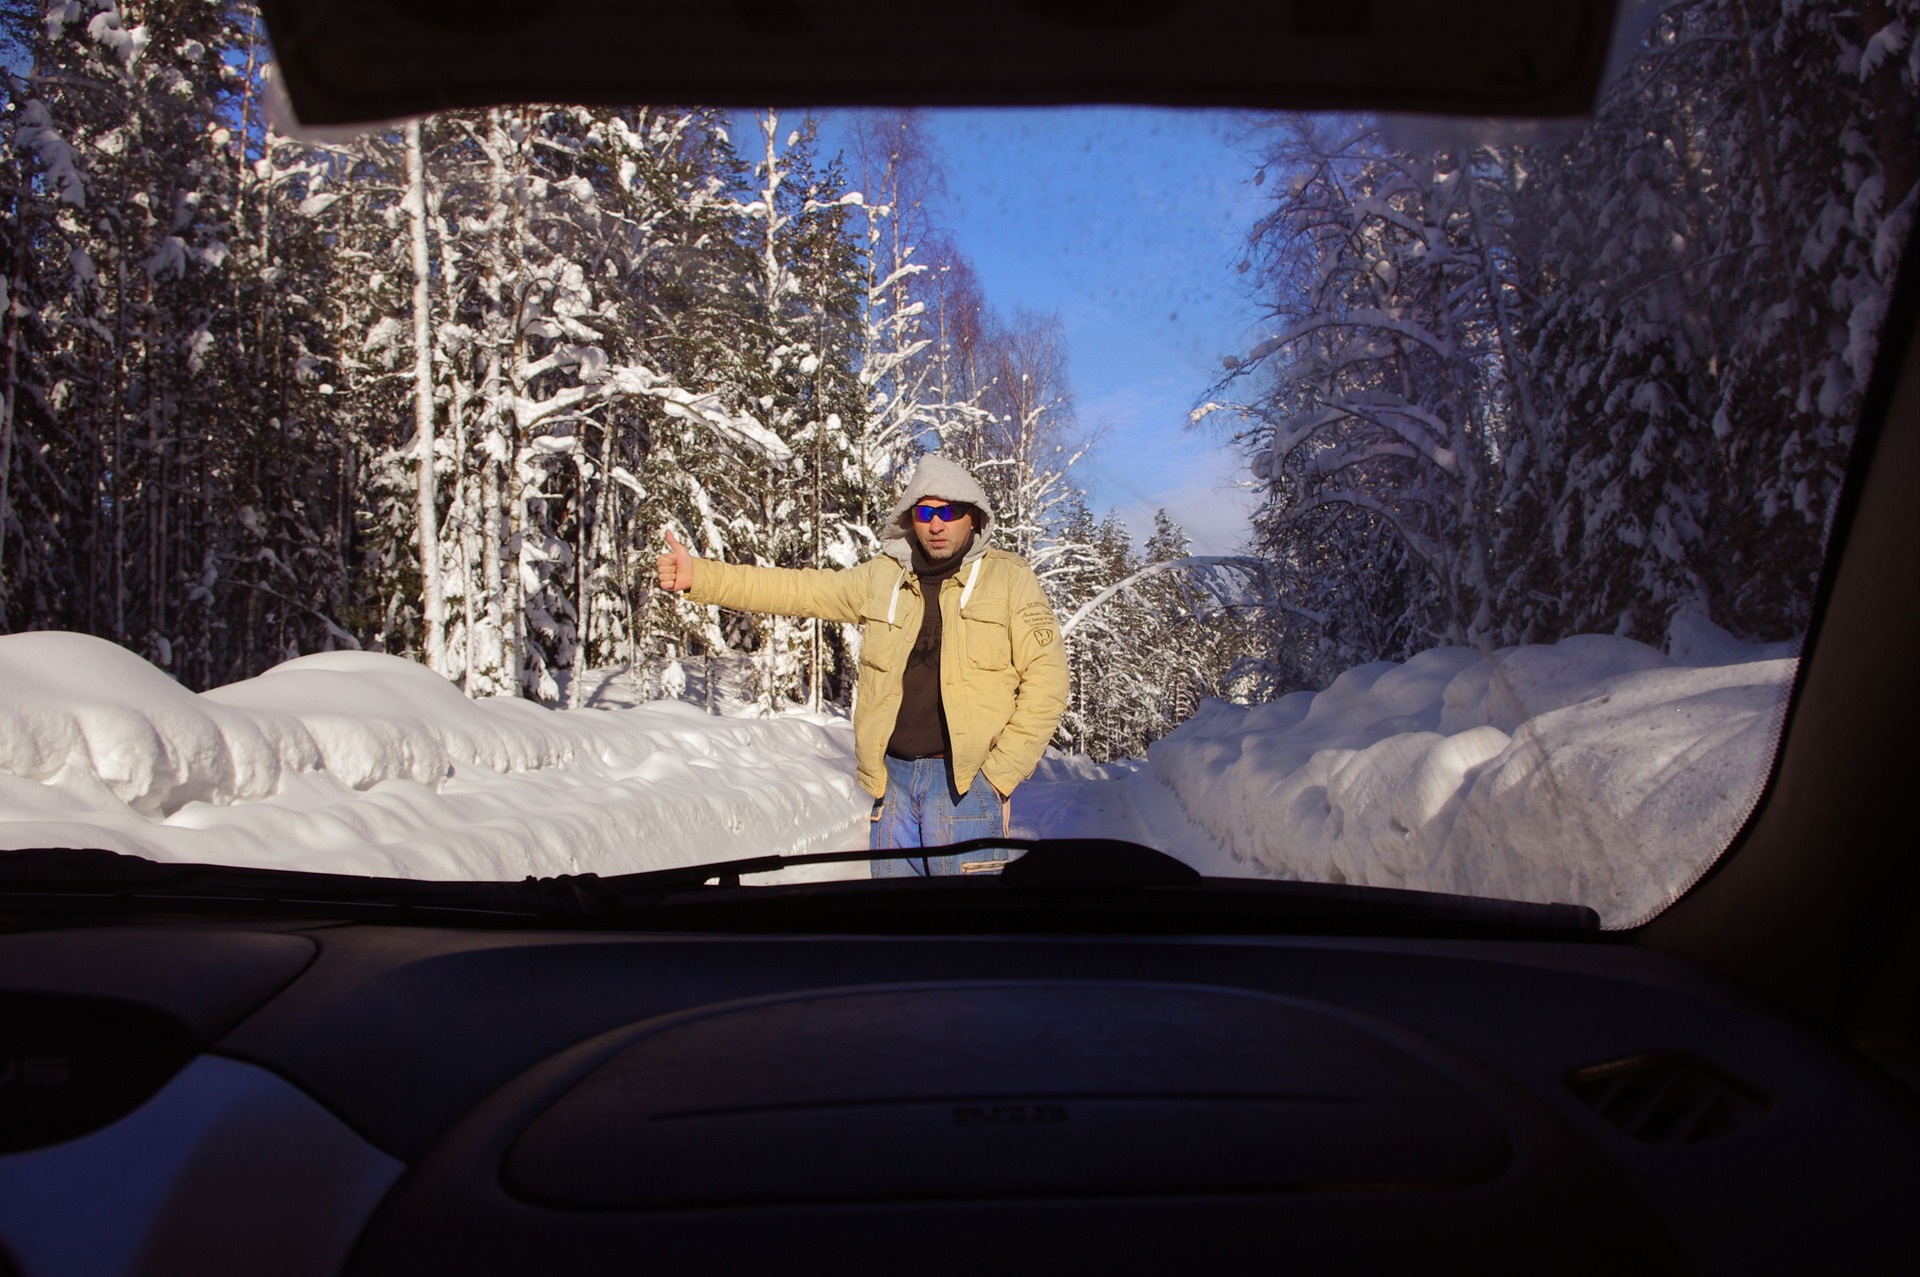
{"points": [[1044, 637]]}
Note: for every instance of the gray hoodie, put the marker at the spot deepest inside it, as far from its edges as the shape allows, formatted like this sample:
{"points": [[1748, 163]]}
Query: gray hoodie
{"points": [[935, 476]]}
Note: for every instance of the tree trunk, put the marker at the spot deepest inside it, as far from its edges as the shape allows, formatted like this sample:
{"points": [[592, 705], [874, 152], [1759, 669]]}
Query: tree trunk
{"points": [[426, 505], [819, 459], [9, 398]]}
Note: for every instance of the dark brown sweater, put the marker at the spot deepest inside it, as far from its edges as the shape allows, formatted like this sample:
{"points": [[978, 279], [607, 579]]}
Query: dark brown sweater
{"points": [[921, 729]]}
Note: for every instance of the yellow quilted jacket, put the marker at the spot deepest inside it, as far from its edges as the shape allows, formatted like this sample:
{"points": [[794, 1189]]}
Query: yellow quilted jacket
{"points": [[1003, 669]]}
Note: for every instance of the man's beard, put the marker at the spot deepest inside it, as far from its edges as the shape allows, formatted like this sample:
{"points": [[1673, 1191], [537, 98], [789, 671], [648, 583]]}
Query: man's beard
{"points": [[924, 560]]}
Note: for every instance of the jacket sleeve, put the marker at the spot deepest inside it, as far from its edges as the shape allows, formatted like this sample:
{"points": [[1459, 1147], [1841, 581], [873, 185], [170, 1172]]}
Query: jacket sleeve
{"points": [[1040, 658], [830, 594]]}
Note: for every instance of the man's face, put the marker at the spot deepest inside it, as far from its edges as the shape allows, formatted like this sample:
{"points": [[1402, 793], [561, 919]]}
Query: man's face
{"points": [[940, 538]]}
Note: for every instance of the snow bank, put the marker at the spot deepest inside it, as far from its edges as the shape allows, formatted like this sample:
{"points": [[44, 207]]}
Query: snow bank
{"points": [[1596, 771], [351, 762]]}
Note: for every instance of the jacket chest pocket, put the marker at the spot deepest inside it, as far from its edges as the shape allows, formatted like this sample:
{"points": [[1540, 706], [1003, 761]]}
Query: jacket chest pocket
{"points": [[879, 637], [989, 641]]}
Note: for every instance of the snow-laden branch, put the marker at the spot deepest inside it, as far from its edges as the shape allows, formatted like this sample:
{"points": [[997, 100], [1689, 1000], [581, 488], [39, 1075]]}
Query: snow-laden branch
{"points": [[1199, 562], [635, 381], [1343, 458], [37, 133], [1429, 553], [1400, 417], [1361, 317]]}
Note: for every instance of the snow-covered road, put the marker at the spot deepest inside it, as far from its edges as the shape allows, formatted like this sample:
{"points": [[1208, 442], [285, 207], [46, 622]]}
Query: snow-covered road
{"points": [[1070, 796], [1597, 770]]}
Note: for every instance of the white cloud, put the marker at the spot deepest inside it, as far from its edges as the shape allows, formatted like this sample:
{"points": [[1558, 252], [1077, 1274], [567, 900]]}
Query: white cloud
{"points": [[1149, 459], [1206, 504]]}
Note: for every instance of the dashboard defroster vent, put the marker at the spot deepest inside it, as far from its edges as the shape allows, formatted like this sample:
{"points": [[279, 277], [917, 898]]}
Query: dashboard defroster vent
{"points": [[1101, 1089], [1668, 1099]]}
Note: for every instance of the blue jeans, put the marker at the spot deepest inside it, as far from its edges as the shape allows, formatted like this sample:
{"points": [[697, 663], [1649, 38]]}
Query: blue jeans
{"points": [[920, 809]]}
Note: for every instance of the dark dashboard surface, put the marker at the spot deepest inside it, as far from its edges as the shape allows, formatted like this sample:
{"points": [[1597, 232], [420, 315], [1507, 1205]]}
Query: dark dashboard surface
{"points": [[411, 1099]]}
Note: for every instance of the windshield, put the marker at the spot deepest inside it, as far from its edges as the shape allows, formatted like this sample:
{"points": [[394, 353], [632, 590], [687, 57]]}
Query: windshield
{"points": [[1412, 502]]}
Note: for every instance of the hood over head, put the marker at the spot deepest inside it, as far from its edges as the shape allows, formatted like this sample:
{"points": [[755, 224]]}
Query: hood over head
{"points": [[935, 476]]}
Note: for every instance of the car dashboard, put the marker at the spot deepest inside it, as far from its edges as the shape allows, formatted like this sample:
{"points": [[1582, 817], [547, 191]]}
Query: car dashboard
{"points": [[314, 1097]]}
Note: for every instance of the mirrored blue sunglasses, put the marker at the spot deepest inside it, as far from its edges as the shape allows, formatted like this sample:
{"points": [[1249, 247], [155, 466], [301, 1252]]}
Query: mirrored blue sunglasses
{"points": [[947, 513]]}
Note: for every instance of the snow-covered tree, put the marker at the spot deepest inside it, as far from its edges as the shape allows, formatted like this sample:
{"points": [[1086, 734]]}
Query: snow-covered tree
{"points": [[1023, 437], [1150, 635], [436, 389], [1519, 388], [900, 178], [1377, 418]]}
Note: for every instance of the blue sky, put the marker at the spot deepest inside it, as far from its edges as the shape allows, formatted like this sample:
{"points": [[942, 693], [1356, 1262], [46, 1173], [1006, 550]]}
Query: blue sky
{"points": [[1127, 221]]}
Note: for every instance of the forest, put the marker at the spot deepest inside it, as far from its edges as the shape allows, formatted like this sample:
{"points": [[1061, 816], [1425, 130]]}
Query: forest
{"points": [[1527, 382], [436, 390]]}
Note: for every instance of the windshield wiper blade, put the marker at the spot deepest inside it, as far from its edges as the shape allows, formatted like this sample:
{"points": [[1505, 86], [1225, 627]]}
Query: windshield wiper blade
{"points": [[1094, 873], [73, 876], [1053, 883], [1105, 862]]}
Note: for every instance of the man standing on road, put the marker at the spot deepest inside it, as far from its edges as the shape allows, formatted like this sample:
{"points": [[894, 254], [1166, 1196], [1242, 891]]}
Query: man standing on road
{"points": [[962, 673]]}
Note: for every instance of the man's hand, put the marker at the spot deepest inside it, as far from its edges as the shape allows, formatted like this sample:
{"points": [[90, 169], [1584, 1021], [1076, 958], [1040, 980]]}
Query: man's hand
{"points": [[676, 565]]}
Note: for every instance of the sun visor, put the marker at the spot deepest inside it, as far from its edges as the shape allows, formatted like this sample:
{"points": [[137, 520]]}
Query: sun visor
{"points": [[348, 61]]}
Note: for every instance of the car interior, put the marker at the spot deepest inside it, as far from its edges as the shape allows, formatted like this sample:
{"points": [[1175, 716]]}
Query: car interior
{"points": [[1096, 1061]]}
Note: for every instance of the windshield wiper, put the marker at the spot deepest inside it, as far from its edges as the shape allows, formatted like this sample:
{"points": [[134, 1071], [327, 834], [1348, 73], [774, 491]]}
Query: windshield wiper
{"points": [[1105, 862], [53, 878], [1055, 884], [75, 874]]}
